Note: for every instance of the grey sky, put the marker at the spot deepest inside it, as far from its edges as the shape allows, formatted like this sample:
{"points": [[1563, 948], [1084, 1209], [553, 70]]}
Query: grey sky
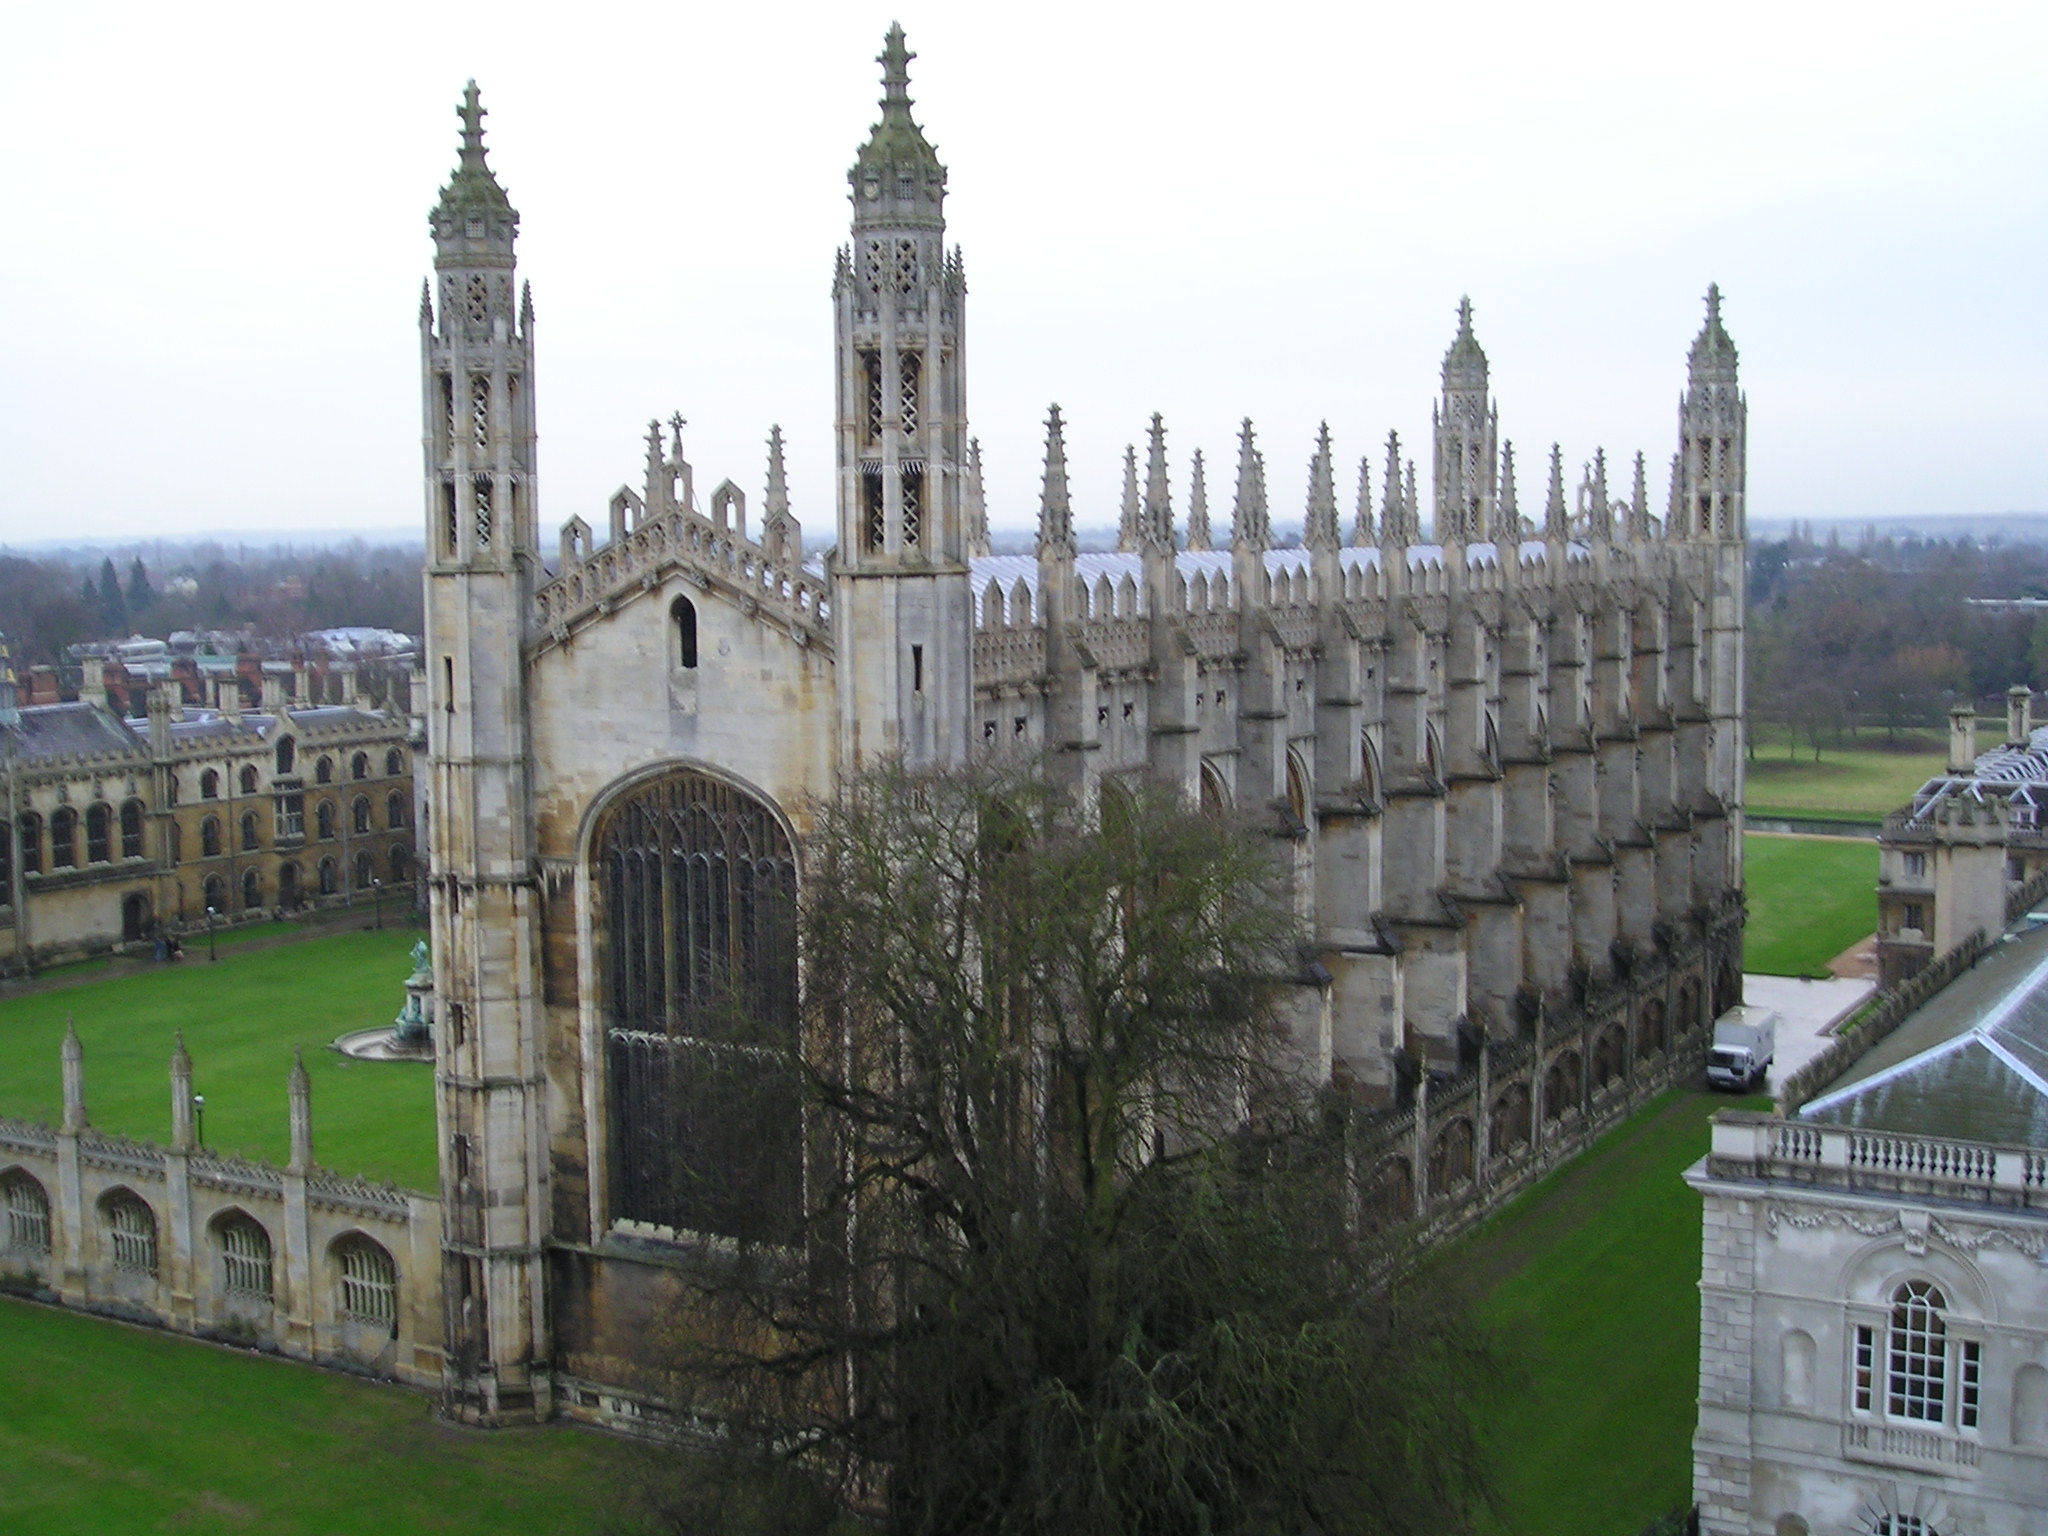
{"points": [[216, 232]]}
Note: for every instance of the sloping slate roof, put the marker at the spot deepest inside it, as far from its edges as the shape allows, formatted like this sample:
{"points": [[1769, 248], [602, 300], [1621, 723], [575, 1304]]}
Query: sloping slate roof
{"points": [[48, 731], [1971, 1063]]}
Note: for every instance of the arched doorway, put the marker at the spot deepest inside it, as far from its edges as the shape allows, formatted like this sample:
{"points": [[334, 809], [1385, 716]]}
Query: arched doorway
{"points": [[136, 919]]}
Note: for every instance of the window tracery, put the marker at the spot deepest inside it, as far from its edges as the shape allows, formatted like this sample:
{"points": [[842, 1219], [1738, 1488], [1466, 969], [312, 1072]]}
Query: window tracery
{"points": [[697, 882]]}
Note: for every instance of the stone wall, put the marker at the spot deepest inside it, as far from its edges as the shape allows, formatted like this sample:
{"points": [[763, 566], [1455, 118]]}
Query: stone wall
{"points": [[298, 1261]]}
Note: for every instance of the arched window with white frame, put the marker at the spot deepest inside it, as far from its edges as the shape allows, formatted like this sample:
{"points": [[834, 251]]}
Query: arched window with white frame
{"points": [[28, 1214], [368, 1281], [1915, 1366], [131, 1229], [245, 1258]]}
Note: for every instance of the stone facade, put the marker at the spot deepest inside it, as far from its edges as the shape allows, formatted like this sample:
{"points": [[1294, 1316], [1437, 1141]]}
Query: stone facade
{"points": [[297, 1259], [1873, 1333], [1506, 755], [115, 831]]}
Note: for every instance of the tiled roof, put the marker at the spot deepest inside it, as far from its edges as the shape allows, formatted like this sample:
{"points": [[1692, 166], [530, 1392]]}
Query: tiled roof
{"points": [[48, 731]]}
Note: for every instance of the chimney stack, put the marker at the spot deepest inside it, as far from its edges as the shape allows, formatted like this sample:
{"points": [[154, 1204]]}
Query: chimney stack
{"points": [[2019, 715], [1962, 739]]}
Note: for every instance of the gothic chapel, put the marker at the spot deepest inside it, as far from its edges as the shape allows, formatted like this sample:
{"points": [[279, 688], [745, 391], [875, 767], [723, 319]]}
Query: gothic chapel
{"points": [[1506, 752]]}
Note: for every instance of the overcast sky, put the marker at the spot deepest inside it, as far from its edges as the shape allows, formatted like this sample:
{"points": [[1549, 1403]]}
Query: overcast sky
{"points": [[215, 231]]}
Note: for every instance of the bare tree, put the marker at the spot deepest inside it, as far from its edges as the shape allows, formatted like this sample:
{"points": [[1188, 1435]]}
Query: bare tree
{"points": [[1073, 1254]]}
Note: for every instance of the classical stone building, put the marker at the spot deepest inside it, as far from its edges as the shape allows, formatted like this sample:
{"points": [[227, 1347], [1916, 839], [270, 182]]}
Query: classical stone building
{"points": [[113, 830], [1949, 863], [1506, 752], [1874, 1283]]}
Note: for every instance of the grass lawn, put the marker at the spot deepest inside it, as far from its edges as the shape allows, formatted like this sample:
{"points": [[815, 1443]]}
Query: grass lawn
{"points": [[112, 1430], [1810, 898], [241, 1017], [1596, 1271], [1864, 781]]}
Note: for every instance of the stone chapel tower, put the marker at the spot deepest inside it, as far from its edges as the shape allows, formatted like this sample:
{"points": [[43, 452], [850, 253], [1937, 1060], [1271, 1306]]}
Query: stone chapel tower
{"points": [[1709, 482], [902, 603], [476, 355], [1467, 427]]}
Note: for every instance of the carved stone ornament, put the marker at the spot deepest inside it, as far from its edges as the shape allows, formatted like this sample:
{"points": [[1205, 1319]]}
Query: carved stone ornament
{"points": [[1915, 1226]]}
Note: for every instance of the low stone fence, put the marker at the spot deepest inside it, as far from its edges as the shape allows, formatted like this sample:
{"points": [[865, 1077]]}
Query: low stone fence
{"points": [[1878, 1018], [296, 1260], [2023, 898], [1469, 1145]]}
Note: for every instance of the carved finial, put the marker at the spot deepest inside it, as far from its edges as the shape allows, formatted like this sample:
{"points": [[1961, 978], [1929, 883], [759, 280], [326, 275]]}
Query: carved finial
{"points": [[972, 504], [181, 1059], [1713, 303], [1319, 530], [1055, 511], [300, 1081], [1510, 517], [472, 114], [1198, 505], [895, 60], [526, 306], [72, 1050], [1156, 526], [1361, 522], [1394, 516], [1250, 528], [676, 424], [775, 498], [1556, 516], [1127, 536], [426, 303], [1413, 506], [1639, 504]]}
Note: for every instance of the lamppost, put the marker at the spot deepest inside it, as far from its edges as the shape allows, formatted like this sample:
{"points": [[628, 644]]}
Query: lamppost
{"points": [[199, 1115], [210, 955], [377, 901]]}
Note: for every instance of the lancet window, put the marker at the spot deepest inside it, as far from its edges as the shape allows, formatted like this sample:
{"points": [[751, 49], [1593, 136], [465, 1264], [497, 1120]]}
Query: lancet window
{"points": [[909, 391], [697, 885], [480, 411], [480, 503], [872, 400], [913, 505]]}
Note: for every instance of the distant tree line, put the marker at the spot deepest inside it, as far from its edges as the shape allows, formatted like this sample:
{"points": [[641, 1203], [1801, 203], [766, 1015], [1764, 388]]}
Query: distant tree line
{"points": [[51, 603], [1881, 635]]}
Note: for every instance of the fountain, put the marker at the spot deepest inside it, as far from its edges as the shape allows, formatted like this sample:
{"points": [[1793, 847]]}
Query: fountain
{"points": [[410, 1036]]}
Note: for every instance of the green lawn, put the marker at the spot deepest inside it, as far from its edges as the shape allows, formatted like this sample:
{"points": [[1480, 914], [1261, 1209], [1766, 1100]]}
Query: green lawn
{"points": [[1861, 782], [111, 1430], [241, 1017], [1810, 898], [1595, 1274]]}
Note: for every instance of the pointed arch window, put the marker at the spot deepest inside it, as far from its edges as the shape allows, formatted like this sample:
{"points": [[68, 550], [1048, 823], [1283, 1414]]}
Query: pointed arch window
{"points": [[31, 843], [697, 931], [99, 829], [394, 764], [683, 617], [63, 838], [249, 772], [209, 785], [287, 758], [476, 299], [873, 513]]}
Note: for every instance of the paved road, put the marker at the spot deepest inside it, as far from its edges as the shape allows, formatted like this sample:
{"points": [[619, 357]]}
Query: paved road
{"points": [[1807, 1010]]}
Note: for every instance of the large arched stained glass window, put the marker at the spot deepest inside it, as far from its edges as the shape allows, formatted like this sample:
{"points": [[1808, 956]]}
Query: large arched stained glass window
{"points": [[697, 949]]}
